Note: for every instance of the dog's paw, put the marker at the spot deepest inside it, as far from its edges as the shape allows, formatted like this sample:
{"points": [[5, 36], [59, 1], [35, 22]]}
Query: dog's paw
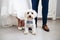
{"points": [[34, 33], [25, 32], [23, 27], [20, 28]]}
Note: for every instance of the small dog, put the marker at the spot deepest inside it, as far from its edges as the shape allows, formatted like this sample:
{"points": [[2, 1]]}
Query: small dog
{"points": [[30, 16]]}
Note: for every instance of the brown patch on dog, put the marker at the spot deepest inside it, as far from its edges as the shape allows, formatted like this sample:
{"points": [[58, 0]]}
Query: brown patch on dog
{"points": [[20, 22]]}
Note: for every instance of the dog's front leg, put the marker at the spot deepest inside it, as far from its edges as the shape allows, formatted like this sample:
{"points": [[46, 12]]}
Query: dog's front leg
{"points": [[34, 28], [34, 31], [26, 28]]}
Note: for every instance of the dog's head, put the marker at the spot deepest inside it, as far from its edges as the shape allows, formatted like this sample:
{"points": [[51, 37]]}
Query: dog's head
{"points": [[30, 14]]}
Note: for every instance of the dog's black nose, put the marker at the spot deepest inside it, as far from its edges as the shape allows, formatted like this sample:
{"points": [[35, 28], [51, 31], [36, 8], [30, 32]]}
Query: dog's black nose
{"points": [[29, 16]]}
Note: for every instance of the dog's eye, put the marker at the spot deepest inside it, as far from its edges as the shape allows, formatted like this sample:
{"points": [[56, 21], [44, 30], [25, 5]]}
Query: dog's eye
{"points": [[32, 12], [27, 12]]}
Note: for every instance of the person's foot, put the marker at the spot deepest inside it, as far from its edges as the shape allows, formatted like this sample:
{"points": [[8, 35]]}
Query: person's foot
{"points": [[45, 27]]}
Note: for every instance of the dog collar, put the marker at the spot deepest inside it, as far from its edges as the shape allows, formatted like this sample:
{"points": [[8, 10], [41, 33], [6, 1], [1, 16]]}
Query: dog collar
{"points": [[29, 22]]}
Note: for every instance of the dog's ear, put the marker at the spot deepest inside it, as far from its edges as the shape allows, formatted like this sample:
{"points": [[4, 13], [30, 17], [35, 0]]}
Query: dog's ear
{"points": [[35, 13], [25, 14]]}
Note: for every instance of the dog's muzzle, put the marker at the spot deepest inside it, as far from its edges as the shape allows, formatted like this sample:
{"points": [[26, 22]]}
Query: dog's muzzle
{"points": [[29, 16]]}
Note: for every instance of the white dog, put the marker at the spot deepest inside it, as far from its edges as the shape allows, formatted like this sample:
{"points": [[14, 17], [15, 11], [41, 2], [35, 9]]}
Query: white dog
{"points": [[30, 16]]}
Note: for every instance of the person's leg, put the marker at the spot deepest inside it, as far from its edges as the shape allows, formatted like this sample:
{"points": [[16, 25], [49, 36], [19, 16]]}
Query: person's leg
{"points": [[45, 13], [35, 7]]}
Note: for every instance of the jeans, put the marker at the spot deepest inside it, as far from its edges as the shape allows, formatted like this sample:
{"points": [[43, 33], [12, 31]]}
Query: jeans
{"points": [[44, 4]]}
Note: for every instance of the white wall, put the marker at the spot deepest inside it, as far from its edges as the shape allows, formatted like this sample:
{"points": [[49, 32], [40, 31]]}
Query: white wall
{"points": [[0, 12], [58, 9], [0, 5]]}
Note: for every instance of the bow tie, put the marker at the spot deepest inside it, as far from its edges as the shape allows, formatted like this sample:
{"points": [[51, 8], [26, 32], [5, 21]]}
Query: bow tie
{"points": [[29, 22]]}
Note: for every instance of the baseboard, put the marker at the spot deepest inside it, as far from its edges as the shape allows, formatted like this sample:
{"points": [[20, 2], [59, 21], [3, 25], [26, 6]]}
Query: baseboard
{"points": [[41, 18], [57, 18]]}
